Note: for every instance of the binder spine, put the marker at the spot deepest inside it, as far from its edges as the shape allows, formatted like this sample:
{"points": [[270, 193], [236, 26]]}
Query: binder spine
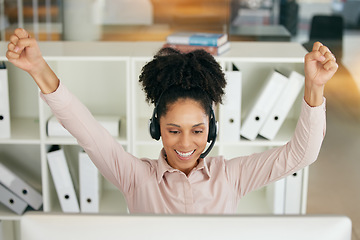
{"points": [[63, 183], [89, 184], [4, 103], [11, 201], [293, 193], [230, 111]]}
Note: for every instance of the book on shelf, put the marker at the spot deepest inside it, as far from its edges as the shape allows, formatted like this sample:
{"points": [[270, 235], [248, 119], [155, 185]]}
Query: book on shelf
{"points": [[197, 38], [213, 50], [21, 188], [4, 103], [266, 99]]}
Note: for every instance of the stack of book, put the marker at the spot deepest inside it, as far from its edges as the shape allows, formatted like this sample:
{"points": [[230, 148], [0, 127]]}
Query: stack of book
{"points": [[214, 43]]}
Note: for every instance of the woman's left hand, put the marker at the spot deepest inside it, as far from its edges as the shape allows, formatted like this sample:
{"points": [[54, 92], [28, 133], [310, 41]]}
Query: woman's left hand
{"points": [[320, 67]]}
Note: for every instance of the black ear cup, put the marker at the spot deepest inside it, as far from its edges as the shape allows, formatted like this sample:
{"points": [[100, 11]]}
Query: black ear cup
{"points": [[212, 127], [154, 126]]}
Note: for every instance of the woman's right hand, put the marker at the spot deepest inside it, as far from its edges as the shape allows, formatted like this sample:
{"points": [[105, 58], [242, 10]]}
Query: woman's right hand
{"points": [[24, 52]]}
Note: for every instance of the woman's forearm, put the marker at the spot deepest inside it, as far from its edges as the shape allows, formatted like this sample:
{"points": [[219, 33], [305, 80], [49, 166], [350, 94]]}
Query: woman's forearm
{"points": [[313, 94], [45, 78]]}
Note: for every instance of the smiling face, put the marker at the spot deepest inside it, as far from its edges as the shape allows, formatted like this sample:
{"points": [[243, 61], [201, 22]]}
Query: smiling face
{"points": [[184, 130]]}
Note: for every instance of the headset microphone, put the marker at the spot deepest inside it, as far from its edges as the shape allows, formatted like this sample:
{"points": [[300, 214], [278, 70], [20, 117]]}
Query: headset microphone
{"points": [[204, 154]]}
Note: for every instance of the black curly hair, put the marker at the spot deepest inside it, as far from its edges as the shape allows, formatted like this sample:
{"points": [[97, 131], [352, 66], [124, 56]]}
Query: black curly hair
{"points": [[174, 75]]}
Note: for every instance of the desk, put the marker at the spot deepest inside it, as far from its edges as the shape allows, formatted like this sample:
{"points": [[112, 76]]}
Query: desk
{"points": [[259, 33]]}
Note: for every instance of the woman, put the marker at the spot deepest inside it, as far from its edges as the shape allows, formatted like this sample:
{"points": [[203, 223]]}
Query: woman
{"points": [[184, 87]]}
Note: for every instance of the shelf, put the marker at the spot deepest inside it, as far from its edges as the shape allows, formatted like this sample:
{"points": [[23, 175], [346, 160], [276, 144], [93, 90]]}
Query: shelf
{"points": [[23, 131], [79, 51], [104, 77]]}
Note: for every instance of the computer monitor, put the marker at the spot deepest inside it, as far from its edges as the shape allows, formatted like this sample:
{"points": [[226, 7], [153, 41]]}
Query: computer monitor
{"points": [[160, 227]]}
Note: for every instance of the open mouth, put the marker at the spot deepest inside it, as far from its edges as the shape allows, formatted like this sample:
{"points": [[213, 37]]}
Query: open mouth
{"points": [[184, 155]]}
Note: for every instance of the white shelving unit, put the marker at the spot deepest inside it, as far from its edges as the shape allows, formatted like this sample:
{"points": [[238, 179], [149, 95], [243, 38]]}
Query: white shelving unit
{"points": [[104, 76]]}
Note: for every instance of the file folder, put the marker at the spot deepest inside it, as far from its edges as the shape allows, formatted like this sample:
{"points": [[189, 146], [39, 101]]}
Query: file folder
{"points": [[62, 180], [19, 187], [4, 103], [265, 101], [90, 184], [11, 201], [230, 111], [282, 106], [110, 123]]}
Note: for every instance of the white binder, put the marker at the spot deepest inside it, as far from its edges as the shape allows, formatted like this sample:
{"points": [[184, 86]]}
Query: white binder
{"points": [[265, 101], [90, 184], [282, 106], [230, 111], [19, 187], [62, 179], [275, 196], [293, 193], [4, 103], [11, 201], [110, 123]]}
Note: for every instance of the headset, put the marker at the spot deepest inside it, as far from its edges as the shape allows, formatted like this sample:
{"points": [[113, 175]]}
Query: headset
{"points": [[154, 128]]}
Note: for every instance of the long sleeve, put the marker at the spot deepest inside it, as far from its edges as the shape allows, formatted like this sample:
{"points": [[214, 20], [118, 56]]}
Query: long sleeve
{"points": [[252, 172], [118, 166]]}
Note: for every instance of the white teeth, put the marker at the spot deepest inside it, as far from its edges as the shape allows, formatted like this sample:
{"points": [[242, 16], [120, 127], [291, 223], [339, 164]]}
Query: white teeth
{"points": [[188, 154]]}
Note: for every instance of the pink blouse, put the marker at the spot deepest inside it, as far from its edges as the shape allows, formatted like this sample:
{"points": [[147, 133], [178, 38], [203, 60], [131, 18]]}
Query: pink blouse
{"points": [[214, 186]]}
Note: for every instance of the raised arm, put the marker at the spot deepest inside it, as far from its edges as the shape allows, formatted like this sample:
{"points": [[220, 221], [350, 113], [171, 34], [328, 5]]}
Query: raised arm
{"points": [[119, 167], [259, 169], [320, 66], [24, 52]]}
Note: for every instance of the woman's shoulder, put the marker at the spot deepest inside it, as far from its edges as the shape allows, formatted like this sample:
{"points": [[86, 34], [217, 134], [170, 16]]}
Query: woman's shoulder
{"points": [[215, 161]]}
